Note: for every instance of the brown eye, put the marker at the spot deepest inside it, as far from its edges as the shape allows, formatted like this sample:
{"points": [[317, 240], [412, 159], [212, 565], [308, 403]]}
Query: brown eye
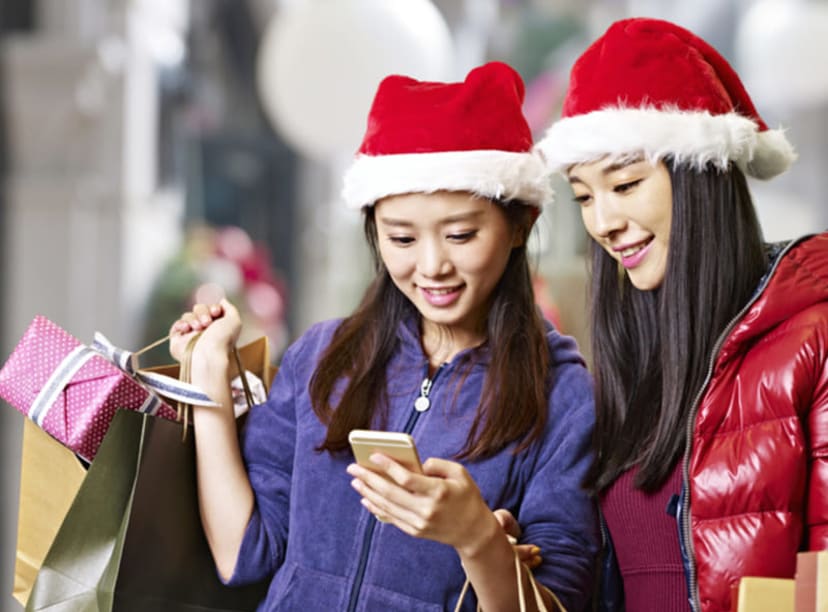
{"points": [[462, 236], [624, 187], [401, 240]]}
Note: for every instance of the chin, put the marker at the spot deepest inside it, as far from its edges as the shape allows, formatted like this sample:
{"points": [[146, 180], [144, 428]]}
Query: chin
{"points": [[645, 283]]}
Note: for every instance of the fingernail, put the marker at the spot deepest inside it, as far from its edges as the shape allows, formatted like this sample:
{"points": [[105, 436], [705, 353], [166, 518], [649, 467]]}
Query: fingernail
{"points": [[536, 561], [535, 550]]}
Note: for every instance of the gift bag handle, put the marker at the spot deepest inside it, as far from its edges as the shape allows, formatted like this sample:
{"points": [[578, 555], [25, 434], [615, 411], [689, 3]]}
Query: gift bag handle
{"points": [[248, 395], [541, 606], [185, 375]]}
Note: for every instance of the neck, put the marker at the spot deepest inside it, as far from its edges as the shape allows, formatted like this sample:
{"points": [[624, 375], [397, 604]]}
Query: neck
{"points": [[442, 344]]}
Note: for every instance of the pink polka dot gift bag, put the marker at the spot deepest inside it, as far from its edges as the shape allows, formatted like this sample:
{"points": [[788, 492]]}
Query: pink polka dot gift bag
{"points": [[72, 391]]}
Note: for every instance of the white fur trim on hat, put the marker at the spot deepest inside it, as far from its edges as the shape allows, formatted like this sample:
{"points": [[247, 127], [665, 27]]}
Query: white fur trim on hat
{"points": [[500, 175], [689, 137]]}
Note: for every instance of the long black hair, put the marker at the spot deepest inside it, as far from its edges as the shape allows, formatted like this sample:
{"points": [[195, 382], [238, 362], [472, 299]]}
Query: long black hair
{"points": [[651, 349]]}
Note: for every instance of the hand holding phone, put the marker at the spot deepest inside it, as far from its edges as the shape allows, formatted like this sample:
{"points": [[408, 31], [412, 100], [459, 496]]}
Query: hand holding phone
{"points": [[396, 445]]}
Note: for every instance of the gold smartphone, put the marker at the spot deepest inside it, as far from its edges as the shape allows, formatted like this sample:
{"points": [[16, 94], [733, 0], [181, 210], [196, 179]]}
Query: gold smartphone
{"points": [[396, 445]]}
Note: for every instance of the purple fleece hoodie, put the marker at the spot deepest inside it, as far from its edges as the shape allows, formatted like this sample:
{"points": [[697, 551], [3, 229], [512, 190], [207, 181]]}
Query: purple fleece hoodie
{"points": [[326, 552]]}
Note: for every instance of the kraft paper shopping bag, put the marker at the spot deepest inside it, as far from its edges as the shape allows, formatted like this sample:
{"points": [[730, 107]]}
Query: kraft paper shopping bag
{"points": [[50, 476]]}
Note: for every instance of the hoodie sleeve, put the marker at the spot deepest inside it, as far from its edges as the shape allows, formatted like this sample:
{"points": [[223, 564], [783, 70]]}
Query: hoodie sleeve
{"points": [[268, 442], [557, 514]]}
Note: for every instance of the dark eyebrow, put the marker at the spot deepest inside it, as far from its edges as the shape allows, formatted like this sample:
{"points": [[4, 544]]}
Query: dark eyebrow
{"points": [[463, 216], [612, 167], [622, 164], [458, 218], [394, 222]]}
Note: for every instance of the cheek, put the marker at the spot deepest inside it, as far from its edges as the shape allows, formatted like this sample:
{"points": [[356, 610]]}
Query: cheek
{"points": [[589, 222], [396, 261], [489, 264]]}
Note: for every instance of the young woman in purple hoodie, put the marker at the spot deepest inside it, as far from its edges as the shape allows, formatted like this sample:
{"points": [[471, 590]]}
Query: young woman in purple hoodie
{"points": [[447, 345]]}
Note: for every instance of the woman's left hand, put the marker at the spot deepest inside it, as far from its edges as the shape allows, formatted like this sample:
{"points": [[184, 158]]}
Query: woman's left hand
{"points": [[442, 504], [527, 553]]}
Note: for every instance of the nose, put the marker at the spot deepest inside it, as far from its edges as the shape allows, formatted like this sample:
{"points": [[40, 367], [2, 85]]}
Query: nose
{"points": [[607, 217], [433, 260]]}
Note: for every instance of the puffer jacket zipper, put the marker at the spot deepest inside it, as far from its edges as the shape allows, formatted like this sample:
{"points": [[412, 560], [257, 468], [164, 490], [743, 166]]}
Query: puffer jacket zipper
{"points": [[686, 539], [421, 404]]}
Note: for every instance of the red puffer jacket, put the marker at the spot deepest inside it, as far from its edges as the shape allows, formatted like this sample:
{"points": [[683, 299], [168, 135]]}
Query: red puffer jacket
{"points": [[756, 466]]}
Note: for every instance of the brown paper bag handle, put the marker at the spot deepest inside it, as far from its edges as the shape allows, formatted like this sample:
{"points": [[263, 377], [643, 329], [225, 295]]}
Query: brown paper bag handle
{"points": [[541, 606], [149, 347], [184, 375], [248, 394]]}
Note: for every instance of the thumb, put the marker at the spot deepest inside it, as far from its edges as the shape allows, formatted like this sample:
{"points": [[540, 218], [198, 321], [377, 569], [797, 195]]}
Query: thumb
{"points": [[442, 468]]}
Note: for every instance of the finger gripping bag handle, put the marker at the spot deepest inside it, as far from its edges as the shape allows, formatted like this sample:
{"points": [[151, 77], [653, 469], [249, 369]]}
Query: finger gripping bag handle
{"points": [[536, 591], [185, 375]]}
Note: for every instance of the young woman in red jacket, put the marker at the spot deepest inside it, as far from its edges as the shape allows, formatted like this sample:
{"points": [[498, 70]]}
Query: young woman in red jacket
{"points": [[709, 345]]}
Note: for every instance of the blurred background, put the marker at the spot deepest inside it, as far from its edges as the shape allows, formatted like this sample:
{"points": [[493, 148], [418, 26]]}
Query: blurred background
{"points": [[157, 152]]}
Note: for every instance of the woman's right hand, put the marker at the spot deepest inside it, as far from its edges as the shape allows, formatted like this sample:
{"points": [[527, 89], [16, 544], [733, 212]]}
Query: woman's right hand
{"points": [[225, 496], [219, 325]]}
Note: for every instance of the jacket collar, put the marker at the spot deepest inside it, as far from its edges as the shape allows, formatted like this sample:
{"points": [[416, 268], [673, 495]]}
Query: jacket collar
{"points": [[797, 278]]}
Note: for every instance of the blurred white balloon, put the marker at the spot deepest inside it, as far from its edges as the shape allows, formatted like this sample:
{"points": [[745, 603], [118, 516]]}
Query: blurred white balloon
{"points": [[320, 62], [780, 49]]}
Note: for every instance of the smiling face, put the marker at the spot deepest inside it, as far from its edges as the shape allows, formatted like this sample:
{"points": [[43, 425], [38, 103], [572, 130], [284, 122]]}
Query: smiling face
{"points": [[445, 252], [627, 208]]}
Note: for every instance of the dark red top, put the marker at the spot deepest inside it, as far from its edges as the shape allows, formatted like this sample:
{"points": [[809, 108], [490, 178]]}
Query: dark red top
{"points": [[646, 543]]}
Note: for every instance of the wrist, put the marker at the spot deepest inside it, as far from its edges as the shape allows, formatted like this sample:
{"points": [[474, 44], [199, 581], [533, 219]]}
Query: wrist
{"points": [[209, 365], [487, 539]]}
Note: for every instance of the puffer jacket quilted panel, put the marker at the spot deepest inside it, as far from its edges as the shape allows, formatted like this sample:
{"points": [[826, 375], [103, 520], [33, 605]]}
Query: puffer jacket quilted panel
{"points": [[758, 462]]}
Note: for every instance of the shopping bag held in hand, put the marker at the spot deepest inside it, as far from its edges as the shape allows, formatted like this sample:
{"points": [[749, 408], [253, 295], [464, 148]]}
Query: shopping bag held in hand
{"points": [[253, 358], [521, 569], [132, 540]]}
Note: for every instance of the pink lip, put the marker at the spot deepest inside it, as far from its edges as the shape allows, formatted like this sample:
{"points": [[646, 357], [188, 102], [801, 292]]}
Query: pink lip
{"points": [[636, 258], [440, 299]]}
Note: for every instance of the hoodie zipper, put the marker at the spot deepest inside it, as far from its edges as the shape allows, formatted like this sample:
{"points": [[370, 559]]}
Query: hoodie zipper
{"points": [[421, 404], [695, 599]]}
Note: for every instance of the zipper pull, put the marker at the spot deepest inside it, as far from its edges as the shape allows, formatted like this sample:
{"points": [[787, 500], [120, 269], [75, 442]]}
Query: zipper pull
{"points": [[422, 403]]}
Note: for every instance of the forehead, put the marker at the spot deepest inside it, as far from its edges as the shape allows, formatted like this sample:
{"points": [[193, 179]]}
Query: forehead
{"points": [[415, 207], [607, 165]]}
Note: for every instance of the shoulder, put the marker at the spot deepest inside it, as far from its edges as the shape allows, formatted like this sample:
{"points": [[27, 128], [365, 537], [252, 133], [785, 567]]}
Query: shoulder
{"points": [[563, 349], [798, 287], [794, 290], [312, 342], [808, 254], [564, 356], [571, 392]]}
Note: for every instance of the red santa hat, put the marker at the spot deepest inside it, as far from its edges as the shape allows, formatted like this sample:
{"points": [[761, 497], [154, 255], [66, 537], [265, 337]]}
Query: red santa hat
{"points": [[471, 136], [649, 86]]}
